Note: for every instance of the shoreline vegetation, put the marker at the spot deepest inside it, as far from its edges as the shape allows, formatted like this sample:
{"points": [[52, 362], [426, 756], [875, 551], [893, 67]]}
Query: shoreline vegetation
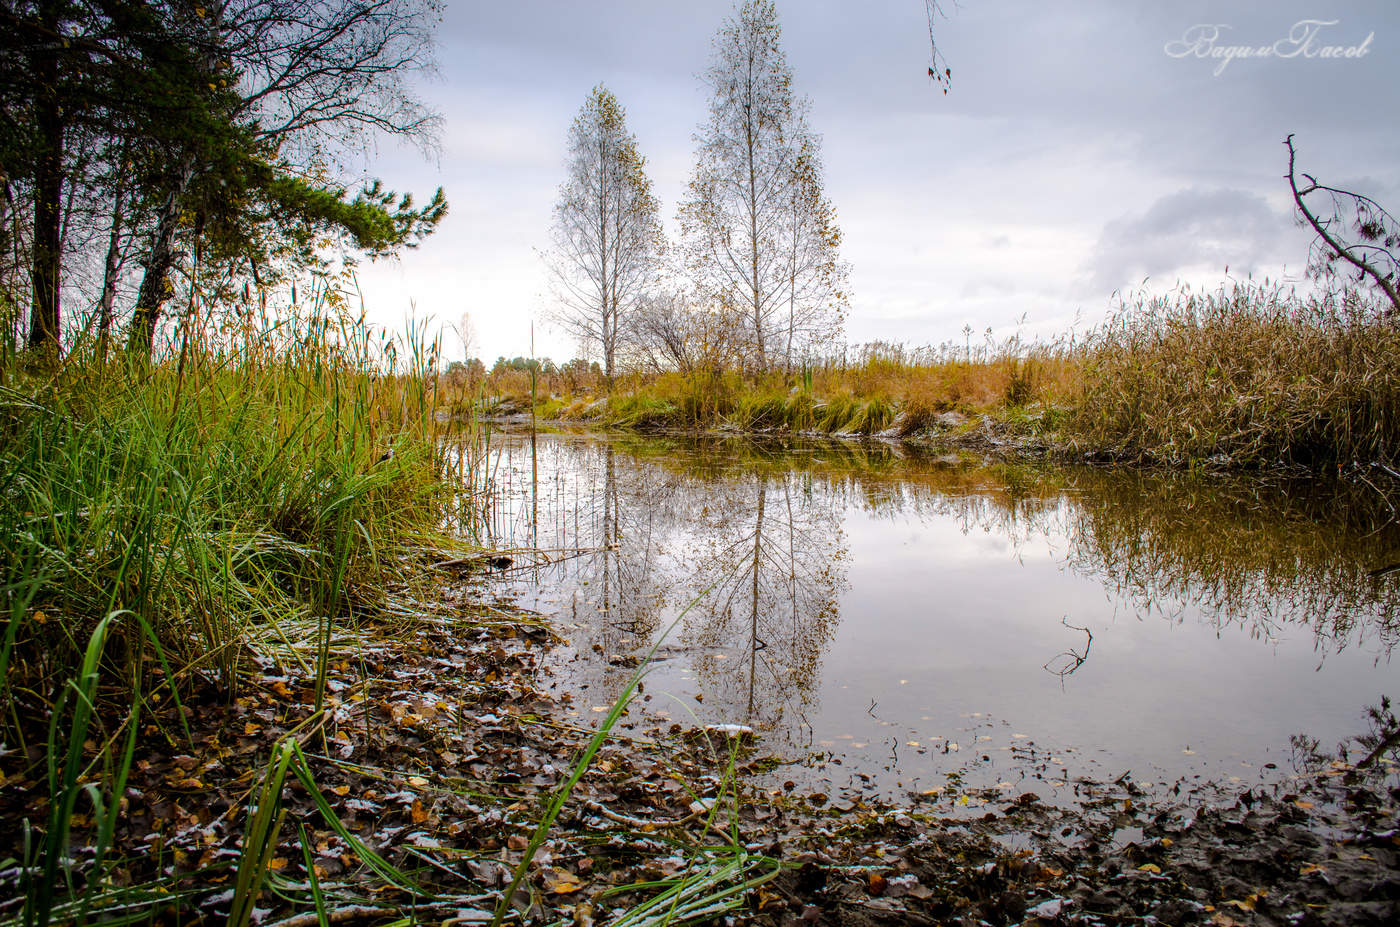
{"points": [[1249, 377], [253, 672]]}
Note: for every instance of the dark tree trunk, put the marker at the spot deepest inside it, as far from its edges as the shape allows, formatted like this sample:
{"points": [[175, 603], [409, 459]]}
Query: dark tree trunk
{"points": [[155, 282], [110, 270], [48, 195]]}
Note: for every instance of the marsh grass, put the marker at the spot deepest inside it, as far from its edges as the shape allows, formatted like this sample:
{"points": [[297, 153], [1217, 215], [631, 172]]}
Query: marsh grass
{"points": [[1253, 375], [159, 521], [882, 386], [216, 498], [1246, 375]]}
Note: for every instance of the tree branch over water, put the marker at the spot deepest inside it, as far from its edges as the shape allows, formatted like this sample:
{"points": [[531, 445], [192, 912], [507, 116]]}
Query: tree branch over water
{"points": [[1373, 256]]}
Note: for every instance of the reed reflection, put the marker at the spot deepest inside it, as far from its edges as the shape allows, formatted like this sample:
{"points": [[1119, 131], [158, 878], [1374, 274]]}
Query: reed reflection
{"points": [[755, 534]]}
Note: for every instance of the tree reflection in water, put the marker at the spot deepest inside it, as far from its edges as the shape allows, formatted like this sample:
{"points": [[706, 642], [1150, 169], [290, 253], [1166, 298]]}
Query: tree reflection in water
{"points": [[770, 567], [759, 529]]}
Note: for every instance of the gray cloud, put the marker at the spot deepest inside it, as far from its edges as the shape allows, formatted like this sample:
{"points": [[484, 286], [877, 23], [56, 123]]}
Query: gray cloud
{"points": [[1187, 231], [1072, 157]]}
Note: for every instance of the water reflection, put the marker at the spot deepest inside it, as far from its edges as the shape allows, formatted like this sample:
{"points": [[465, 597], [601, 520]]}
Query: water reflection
{"points": [[822, 577], [1263, 555], [765, 573]]}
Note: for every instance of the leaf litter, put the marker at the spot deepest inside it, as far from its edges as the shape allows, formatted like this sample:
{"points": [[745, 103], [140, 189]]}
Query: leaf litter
{"points": [[439, 747]]}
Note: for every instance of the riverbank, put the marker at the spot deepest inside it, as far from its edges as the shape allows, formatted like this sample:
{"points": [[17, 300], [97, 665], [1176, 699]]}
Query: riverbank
{"points": [[244, 681], [1253, 377], [428, 771]]}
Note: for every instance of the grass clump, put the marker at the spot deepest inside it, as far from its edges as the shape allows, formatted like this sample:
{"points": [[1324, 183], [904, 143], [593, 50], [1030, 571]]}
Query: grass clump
{"points": [[216, 497], [1250, 375]]}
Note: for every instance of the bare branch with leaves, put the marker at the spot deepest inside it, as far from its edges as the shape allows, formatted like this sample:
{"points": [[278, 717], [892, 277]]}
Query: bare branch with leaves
{"points": [[1354, 233]]}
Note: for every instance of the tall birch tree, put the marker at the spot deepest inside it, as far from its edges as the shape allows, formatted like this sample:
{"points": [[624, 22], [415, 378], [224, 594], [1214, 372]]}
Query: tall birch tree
{"points": [[607, 230], [760, 237]]}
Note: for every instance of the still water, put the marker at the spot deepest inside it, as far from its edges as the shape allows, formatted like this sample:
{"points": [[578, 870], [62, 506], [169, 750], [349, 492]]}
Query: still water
{"points": [[884, 618]]}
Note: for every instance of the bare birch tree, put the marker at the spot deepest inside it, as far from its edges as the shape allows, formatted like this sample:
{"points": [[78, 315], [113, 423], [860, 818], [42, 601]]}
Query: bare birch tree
{"points": [[753, 219], [607, 230], [815, 284]]}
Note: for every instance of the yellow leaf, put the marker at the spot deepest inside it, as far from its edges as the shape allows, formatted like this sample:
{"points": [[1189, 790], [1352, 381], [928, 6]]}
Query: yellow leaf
{"points": [[1305, 805], [564, 886], [277, 864], [1249, 903], [417, 781], [1150, 867]]}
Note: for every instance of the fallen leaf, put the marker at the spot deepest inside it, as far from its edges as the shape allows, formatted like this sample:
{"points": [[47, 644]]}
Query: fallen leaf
{"points": [[1150, 867]]}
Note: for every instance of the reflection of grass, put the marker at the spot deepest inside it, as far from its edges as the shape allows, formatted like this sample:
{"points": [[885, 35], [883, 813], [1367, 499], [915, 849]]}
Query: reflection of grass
{"points": [[1256, 552], [1261, 554]]}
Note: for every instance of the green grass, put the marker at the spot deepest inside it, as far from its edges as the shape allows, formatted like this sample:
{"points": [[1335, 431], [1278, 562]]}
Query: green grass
{"points": [[213, 499], [159, 522]]}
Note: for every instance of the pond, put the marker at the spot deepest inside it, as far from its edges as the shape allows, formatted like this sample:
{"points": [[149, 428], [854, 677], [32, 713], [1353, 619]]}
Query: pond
{"points": [[885, 618]]}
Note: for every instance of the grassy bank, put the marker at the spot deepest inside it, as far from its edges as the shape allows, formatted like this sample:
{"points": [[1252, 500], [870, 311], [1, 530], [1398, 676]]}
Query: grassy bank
{"points": [[1248, 376], [224, 497], [1252, 375], [166, 529]]}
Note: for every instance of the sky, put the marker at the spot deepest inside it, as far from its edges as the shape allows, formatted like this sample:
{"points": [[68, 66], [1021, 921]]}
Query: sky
{"points": [[1084, 150]]}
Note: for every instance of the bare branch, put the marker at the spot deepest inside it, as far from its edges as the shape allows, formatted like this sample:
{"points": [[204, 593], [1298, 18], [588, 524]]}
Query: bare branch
{"points": [[1377, 263]]}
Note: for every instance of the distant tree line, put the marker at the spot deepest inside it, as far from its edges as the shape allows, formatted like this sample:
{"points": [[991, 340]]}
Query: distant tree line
{"points": [[159, 152]]}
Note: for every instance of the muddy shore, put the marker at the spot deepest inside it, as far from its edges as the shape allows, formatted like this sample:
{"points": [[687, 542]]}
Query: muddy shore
{"points": [[441, 747]]}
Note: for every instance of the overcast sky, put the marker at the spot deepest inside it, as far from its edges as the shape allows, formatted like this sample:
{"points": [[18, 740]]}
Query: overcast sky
{"points": [[1075, 154]]}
